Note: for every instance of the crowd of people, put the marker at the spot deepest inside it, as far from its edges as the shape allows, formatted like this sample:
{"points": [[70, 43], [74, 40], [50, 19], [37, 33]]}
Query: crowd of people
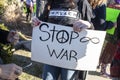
{"points": [[90, 14]]}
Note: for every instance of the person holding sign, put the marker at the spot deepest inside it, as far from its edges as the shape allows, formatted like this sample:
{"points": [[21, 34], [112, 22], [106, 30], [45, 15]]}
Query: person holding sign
{"points": [[79, 14]]}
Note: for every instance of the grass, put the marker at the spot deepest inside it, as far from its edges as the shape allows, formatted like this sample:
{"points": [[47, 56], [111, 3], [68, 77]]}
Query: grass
{"points": [[22, 58]]}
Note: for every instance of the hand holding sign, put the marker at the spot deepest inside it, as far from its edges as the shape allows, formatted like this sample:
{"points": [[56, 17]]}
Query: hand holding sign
{"points": [[80, 25], [35, 21]]}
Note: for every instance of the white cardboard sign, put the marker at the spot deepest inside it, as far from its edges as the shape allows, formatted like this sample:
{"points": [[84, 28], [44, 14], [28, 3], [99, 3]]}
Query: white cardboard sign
{"points": [[60, 46]]}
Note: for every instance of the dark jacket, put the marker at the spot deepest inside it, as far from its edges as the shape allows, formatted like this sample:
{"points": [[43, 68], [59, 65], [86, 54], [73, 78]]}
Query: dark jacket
{"points": [[99, 21], [3, 36]]}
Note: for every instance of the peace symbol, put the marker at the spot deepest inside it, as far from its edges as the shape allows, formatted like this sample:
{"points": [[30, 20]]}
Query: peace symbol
{"points": [[62, 36]]}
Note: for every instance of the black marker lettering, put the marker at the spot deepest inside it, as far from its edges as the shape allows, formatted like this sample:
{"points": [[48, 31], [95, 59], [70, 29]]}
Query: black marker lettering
{"points": [[73, 36], [43, 25], [65, 54], [73, 55], [53, 52], [53, 33]]}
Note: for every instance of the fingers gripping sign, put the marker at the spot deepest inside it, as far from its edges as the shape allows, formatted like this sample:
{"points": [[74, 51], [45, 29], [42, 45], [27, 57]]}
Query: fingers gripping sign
{"points": [[80, 25], [35, 22]]}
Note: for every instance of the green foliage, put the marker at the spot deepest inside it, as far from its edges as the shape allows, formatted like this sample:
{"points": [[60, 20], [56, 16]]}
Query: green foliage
{"points": [[2, 2], [6, 52], [1, 11], [2, 26], [2, 7]]}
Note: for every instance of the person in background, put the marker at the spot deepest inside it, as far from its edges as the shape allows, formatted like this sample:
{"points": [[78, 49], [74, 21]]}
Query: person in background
{"points": [[39, 5], [108, 48], [114, 4], [106, 57], [117, 5], [115, 64], [9, 71], [34, 8], [30, 9], [90, 14]]}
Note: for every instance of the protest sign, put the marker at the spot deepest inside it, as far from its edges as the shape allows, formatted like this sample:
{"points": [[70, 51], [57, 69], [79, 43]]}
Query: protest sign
{"points": [[61, 46]]}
